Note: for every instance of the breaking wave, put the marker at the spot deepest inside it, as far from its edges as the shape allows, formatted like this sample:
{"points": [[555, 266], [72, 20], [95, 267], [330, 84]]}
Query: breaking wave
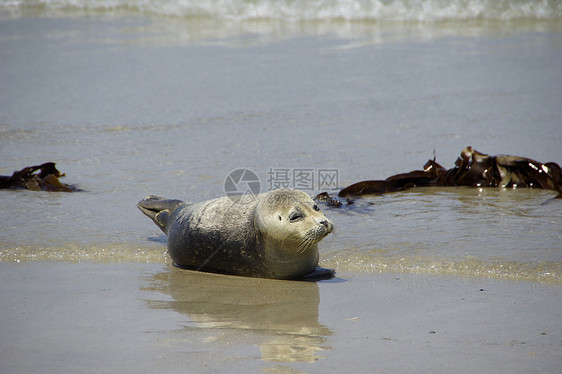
{"points": [[312, 10]]}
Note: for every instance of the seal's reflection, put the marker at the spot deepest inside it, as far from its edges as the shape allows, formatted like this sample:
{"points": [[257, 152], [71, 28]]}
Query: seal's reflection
{"points": [[286, 310]]}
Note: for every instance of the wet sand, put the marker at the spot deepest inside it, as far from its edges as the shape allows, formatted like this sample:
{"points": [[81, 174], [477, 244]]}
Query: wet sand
{"points": [[146, 318]]}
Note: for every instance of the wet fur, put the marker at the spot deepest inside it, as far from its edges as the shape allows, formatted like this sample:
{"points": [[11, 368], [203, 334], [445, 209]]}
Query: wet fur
{"points": [[275, 236]]}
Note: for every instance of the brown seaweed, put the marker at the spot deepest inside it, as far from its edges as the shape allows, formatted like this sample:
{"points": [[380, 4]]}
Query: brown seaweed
{"points": [[325, 198], [472, 168], [44, 177]]}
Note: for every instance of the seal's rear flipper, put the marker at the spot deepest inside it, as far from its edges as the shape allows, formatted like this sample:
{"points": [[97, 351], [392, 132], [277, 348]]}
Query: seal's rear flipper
{"points": [[158, 209]]}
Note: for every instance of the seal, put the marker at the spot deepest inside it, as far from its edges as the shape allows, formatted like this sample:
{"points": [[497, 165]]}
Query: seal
{"points": [[275, 235]]}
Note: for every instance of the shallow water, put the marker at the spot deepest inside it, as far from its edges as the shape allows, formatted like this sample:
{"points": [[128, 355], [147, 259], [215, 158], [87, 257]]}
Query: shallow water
{"points": [[145, 318], [130, 105]]}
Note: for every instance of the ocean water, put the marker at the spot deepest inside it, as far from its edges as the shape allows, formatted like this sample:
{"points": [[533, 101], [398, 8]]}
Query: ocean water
{"points": [[168, 98]]}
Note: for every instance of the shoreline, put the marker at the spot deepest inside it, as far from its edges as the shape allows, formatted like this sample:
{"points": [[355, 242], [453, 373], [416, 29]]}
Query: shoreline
{"points": [[469, 268]]}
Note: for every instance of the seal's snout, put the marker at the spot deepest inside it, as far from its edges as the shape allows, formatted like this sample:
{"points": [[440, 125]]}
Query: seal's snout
{"points": [[329, 227]]}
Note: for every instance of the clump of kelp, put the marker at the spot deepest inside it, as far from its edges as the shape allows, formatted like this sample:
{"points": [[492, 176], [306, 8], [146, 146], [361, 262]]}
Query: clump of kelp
{"points": [[472, 168], [44, 177]]}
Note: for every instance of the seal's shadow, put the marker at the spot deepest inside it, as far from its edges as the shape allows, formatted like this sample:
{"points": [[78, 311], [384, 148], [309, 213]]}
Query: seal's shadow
{"points": [[159, 239], [283, 315]]}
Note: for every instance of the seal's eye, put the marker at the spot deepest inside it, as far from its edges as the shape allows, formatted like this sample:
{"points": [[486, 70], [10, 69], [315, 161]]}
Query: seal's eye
{"points": [[315, 207], [279, 218], [297, 216]]}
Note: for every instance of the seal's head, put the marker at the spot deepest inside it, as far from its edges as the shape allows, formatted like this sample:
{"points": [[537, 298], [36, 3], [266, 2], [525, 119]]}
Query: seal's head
{"points": [[291, 221]]}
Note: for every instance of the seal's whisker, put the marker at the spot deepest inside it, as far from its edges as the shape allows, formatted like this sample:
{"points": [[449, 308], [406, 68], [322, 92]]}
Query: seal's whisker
{"points": [[301, 247], [307, 243]]}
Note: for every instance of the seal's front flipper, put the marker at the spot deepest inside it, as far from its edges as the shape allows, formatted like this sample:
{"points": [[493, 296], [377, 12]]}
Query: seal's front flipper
{"points": [[320, 274], [158, 209]]}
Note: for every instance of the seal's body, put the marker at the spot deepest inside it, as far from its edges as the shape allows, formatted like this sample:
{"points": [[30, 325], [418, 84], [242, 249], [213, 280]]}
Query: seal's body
{"points": [[275, 235]]}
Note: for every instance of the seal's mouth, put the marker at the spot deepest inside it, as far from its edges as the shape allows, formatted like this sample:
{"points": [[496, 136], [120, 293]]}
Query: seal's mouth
{"points": [[323, 228]]}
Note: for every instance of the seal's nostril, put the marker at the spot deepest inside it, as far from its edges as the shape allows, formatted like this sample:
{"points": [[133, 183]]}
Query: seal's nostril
{"points": [[324, 223]]}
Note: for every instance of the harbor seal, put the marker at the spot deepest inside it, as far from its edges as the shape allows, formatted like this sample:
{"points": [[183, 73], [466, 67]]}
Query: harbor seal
{"points": [[275, 235]]}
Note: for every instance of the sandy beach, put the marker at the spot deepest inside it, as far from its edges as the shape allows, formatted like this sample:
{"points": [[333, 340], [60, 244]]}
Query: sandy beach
{"points": [[103, 318], [131, 100]]}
